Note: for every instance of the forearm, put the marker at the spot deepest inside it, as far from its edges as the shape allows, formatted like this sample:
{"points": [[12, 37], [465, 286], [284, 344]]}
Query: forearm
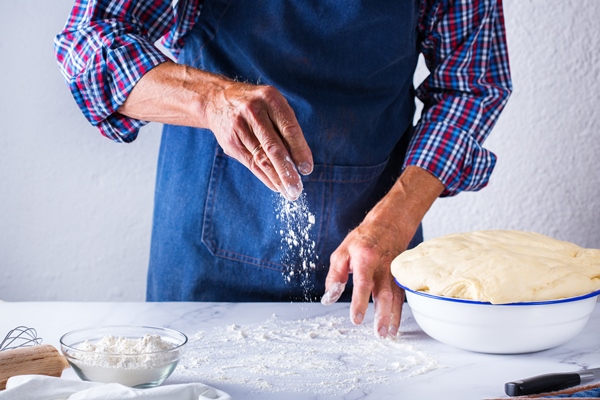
{"points": [[174, 94], [402, 209]]}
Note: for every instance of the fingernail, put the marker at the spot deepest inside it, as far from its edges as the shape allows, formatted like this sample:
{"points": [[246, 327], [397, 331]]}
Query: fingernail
{"points": [[305, 168], [383, 332], [294, 191], [357, 319], [326, 299], [333, 294], [393, 331]]}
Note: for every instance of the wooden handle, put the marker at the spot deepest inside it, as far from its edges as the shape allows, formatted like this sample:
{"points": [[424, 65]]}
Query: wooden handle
{"points": [[37, 360]]}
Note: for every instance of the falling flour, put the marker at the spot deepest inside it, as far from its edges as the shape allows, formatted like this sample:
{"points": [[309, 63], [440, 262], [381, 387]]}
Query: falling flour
{"points": [[325, 356], [298, 248]]}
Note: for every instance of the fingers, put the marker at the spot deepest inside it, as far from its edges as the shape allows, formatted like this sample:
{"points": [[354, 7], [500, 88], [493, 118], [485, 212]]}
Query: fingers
{"points": [[362, 256], [382, 301], [337, 276], [342, 263], [284, 119], [283, 144], [262, 167], [363, 281], [256, 125], [387, 301], [274, 160], [396, 315], [261, 175], [244, 146]]}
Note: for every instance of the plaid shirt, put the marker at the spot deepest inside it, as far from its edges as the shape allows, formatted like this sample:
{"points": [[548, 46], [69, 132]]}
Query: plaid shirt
{"points": [[108, 45]]}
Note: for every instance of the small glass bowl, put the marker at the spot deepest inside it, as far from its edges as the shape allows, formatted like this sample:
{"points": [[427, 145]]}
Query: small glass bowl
{"points": [[143, 370]]}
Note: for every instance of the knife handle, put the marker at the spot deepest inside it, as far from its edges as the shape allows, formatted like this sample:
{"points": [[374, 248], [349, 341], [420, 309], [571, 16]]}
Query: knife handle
{"points": [[542, 383]]}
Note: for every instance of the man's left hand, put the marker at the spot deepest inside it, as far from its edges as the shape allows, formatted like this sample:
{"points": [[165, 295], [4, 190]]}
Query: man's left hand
{"points": [[367, 252]]}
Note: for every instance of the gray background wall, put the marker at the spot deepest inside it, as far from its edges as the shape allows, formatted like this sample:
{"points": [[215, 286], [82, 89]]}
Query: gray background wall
{"points": [[75, 208]]}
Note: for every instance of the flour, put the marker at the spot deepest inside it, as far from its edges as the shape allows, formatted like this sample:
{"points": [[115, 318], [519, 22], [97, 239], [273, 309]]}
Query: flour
{"points": [[299, 254], [325, 356], [139, 362], [126, 353]]}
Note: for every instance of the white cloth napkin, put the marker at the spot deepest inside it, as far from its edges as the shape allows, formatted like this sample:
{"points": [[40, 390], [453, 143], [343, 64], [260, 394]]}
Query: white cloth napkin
{"points": [[40, 387]]}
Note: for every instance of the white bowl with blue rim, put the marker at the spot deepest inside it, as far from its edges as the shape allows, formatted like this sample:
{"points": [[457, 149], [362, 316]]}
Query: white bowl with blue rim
{"points": [[500, 328]]}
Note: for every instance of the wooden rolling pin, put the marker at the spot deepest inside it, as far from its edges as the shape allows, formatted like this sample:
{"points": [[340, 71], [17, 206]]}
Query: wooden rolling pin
{"points": [[37, 360]]}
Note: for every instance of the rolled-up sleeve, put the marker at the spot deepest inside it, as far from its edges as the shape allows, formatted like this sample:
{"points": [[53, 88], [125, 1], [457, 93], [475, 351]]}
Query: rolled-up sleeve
{"points": [[107, 46], [464, 47]]}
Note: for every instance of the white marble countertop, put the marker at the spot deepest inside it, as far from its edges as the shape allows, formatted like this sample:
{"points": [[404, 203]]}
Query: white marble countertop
{"points": [[232, 345]]}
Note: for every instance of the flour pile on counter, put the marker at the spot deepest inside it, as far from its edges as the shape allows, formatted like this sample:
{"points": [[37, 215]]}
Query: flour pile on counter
{"points": [[321, 356], [299, 256], [110, 352]]}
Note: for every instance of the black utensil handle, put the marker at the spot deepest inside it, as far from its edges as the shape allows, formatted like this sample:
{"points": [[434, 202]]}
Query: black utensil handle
{"points": [[542, 383]]}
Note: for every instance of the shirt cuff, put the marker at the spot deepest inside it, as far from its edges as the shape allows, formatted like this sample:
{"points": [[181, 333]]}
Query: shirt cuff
{"points": [[100, 97], [451, 155], [120, 128]]}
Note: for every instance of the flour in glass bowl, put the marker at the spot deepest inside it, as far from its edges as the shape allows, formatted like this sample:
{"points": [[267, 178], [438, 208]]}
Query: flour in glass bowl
{"points": [[121, 352], [140, 362]]}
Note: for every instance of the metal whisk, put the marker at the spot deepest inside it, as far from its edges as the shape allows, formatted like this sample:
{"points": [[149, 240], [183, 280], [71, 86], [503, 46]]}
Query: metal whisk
{"points": [[21, 336]]}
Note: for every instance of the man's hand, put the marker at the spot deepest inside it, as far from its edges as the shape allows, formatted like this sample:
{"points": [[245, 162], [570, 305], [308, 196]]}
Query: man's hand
{"points": [[253, 124], [368, 251]]}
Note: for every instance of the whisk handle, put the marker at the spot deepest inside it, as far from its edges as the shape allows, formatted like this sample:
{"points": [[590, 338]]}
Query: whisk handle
{"points": [[38, 360]]}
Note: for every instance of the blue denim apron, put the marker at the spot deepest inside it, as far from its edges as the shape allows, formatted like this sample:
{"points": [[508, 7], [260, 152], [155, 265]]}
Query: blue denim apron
{"points": [[346, 69]]}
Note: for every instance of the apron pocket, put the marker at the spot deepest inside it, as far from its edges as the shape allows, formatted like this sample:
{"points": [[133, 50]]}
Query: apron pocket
{"points": [[241, 216]]}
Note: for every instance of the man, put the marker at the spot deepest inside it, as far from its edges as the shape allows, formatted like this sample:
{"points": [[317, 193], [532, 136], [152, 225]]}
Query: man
{"points": [[285, 89]]}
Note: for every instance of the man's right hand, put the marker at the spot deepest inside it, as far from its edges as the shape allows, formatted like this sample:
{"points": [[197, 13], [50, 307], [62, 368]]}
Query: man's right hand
{"points": [[252, 123]]}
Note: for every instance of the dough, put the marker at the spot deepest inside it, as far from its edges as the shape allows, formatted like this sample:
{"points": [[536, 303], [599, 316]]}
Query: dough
{"points": [[499, 267]]}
